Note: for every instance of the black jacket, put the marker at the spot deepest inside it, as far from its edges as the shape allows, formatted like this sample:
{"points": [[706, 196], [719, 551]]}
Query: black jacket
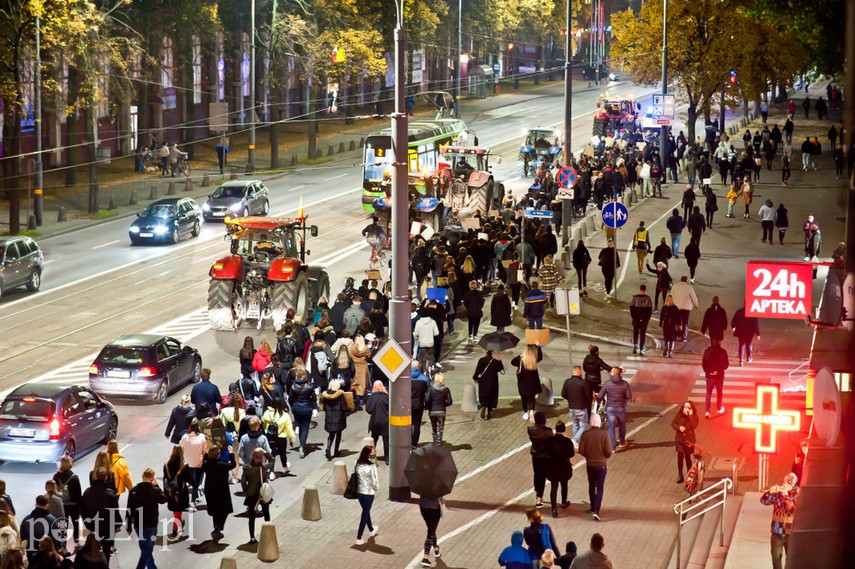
{"points": [[714, 362], [581, 257], [335, 411], [577, 392], [146, 497], [542, 445], [692, 253], [715, 320], [206, 392], [641, 308], [473, 300], [303, 394], [500, 310], [593, 366], [71, 482], [336, 315], [438, 397], [377, 407], [418, 392], [99, 508], [35, 527], [179, 422], [697, 223]]}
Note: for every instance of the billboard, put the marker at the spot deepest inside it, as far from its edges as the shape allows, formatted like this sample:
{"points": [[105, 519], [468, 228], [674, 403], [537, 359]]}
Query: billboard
{"points": [[778, 289]]}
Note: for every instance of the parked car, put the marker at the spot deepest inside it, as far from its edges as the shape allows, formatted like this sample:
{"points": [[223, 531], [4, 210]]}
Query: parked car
{"points": [[237, 199], [147, 366], [43, 422], [21, 263], [166, 221]]}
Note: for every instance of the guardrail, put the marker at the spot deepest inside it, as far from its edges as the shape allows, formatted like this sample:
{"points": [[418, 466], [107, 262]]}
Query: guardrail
{"points": [[709, 499]]}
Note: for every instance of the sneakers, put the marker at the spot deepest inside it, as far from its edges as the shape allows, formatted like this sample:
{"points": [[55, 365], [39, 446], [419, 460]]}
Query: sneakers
{"points": [[483, 412], [641, 352], [740, 363], [436, 552], [750, 359], [721, 411], [360, 541], [302, 453], [624, 444], [525, 416], [596, 516], [707, 415], [655, 311], [426, 562], [634, 349], [375, 531]]}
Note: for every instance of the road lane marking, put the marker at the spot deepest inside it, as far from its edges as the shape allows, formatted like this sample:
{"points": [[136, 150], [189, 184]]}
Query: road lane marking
{"points": [[339, 176], [295, 188], [487, 515], [106, 244]]}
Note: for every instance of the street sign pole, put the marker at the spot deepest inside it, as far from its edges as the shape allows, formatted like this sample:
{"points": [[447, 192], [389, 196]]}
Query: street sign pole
{"points": [[567, 208], [615, 215]]}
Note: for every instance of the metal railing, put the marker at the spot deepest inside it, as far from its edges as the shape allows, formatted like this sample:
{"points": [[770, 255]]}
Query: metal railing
{"points": [[706, 500]]}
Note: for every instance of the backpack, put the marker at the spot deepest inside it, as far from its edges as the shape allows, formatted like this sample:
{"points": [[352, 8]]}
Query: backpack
{"points": [[342, 358], [62, 490], [272, 432], [171, 487], [508, 252], [545, 538]]}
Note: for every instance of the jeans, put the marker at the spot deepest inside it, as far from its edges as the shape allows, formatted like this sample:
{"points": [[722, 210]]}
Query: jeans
{"points": [[616, 417], [365, 501], [684, 456], [730, 209], [596, 486], [675, 243], [385, 445], [196, 476], [691, 180], [639, 333], [579, 419], [541, 467], [779, 546], [684, 317], [535, 323], [582, 276], [749, 349], [146, 540], [714, 383], [303, 418], [474, 323], [768, 227], [805, 160]]}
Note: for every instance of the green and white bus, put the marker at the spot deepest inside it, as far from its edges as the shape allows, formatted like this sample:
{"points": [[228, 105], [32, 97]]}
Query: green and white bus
{"points": [[425, 139]]}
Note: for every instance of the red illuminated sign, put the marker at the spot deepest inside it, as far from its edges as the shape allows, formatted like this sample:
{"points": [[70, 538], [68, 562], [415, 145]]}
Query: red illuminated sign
{"points": [[778, 289], [766, 419]]}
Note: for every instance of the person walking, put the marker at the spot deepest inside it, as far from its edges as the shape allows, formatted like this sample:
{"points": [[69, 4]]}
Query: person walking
{"points": [[782, 222], [662, 252], [218, 498], [562, 468], [276, 422], [697, 223], [119, 467], [783, 498], [486, 377], [535, 306], [785, 169], [767, 220], [684, 423], [715, 321], [542, 455], [671, 324], [615, 394], [609, 261], [437, 401], [640, 310], [179, 420], [578, 393], [473, 302], [254, 476], [693, 255], [714, 363], [663, 283], [304, 405], [581, 260], [528, 377], [431, 511], [515, 556], [99, 507], [378, 411], [594, 366], [68, 487], [687, 202], [176, 479], [367, 484], [732, 196], [745, 328], [596, 447], [142, 516], [206, 392], [501, 312], [194, 444], [420, 384], [686, 301], [254, 439], [641, 244], [537, 535], [594, 558], [335, 417]]}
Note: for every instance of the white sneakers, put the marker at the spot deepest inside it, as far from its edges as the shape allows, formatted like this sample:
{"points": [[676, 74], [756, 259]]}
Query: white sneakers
{"points": [[525, 416], [360, 541], [375, 531], [721, 411]]}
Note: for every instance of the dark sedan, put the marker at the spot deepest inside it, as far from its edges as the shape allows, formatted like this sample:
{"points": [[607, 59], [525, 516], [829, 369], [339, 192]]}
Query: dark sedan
{"points": [[166, 221], [42, 423], [239, 198], [147, 366]]}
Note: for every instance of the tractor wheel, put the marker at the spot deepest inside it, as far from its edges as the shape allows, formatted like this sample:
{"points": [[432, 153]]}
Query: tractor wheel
{"points": [[223, 300], [480, 199], [319, 285], [498, 196], [291, 294], [522, 166], [599, 128]]}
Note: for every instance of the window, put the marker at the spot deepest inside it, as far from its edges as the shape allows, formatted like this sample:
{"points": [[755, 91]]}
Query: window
{"points": [[166, 63], [162, 352], [12, 253], [62, 90], [197, 70], [20, 410], [72, 406], [173, 346], [89, 401]]}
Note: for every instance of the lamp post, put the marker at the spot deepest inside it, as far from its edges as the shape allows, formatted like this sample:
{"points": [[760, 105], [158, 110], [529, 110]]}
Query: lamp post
{"points": [[459, 57], [664, 132], [38, 191], [400, 403], [250, 156]]}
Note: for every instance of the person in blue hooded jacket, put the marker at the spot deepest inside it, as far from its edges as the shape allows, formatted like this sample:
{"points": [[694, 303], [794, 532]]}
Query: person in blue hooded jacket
{"points": [[515, 556]]}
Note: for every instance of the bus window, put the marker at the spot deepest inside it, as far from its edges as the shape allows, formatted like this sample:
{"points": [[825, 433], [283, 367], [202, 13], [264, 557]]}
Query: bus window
{"points": [[377, 157]]}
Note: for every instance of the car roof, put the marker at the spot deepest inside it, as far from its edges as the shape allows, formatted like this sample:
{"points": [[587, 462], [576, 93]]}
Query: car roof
{"points": [[41, 390], [137, 340], [166, 201], [239, 183], [10, 238]]}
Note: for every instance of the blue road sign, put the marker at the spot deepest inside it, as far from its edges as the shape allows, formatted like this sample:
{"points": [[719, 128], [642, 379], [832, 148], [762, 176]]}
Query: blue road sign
{"points": [[531, 212], [615, 215], [566, 177]]}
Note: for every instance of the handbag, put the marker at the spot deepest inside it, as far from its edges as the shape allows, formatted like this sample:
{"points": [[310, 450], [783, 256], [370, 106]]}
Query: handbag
{"points": [[350, 489], [267, 492]]}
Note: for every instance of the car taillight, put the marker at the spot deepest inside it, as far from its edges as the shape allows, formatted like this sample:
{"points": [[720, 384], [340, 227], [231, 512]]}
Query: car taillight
{"points": [[147, 372], [54, 428], [93, 369]]}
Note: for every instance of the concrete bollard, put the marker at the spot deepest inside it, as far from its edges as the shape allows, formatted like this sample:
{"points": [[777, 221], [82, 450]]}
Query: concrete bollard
{"points": [[311, 504], [546, 396], [31, 223], [152, 194], [340, 147], [575, 236], [293, 160], [339, 477], [112, 204], [352, 146], [228, 562], [583, 228], [469, 404], [233, 174], [134, 199], [330, 150], [170, 189], [188, 185], [61, 216], [206, 181], [634, 193], [268, 545], [249, 169], [590, 224], [629, 200], [319, 153], [361, 141]]}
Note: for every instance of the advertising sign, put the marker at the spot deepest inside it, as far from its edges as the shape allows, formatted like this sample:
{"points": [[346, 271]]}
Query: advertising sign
{"points": [[766, 419], [776, 289]]}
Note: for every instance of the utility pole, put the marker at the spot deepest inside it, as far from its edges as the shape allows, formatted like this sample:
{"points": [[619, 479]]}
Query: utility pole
{"points": [[38, 192], [400, 389], [664, 132], [566, 205], [250, 156], [459, 57]]}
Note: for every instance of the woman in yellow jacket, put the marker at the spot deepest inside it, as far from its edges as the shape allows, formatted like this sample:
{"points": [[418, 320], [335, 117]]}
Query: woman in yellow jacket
{"points": [[732, 196], [277, 413], [231, 417], [119, 466]]}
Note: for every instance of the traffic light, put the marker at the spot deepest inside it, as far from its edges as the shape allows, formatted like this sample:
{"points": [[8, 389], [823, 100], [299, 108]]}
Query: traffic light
{"points": [[733, 76]]}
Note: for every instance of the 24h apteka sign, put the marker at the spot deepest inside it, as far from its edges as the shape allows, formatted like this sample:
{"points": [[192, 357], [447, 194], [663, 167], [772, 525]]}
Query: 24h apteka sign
{"points": [[775, 289]]}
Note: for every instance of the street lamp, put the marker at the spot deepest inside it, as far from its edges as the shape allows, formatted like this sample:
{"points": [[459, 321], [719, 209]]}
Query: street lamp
{"points": [[459, 56], [250, 156], [38, 191], [664, 132]]}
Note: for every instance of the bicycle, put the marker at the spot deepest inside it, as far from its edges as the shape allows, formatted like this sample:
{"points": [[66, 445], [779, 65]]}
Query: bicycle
{"points": [[182, 167], [378, 258]]}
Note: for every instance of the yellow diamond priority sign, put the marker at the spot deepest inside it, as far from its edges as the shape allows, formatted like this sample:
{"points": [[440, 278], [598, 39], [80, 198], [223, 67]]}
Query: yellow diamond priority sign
{"points": [[391, 359]]}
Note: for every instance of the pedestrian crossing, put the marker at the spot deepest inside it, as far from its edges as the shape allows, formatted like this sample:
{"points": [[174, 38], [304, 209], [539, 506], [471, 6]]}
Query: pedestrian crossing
{"points": [[740, 382]]}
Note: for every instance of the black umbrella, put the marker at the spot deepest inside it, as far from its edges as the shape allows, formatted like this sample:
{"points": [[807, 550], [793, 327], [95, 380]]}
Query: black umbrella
{"points": [[431, 471], [498, 341]]}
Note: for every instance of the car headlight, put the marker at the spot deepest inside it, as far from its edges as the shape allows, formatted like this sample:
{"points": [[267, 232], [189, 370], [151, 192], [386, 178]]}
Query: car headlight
{"points": [[238, 207], [134, 229], [206, 207], [161, 229]]}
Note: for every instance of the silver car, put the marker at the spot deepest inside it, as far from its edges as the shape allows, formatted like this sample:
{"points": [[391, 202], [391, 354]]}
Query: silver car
{"points": [[21, 264], [237, 199], [42, 423]]}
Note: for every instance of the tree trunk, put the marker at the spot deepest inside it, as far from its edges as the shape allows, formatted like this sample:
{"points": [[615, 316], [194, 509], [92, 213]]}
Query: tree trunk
{"points": [[274, 138], [71, 126], [92, 144], [722, 111], [313, 123], [691, 119]]}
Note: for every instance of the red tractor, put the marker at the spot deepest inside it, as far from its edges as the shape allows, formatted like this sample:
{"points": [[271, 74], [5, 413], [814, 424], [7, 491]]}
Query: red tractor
{"points": [[465, 179], [615, 115], [265, 273]]}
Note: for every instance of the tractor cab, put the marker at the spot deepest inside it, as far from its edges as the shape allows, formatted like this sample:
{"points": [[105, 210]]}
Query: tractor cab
{"points": [[261, 239], [463, 161], [541, 139]]}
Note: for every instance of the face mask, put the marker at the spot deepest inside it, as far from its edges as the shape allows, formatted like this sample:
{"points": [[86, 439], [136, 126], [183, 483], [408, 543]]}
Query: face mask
{"points": [[810, 218]]}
